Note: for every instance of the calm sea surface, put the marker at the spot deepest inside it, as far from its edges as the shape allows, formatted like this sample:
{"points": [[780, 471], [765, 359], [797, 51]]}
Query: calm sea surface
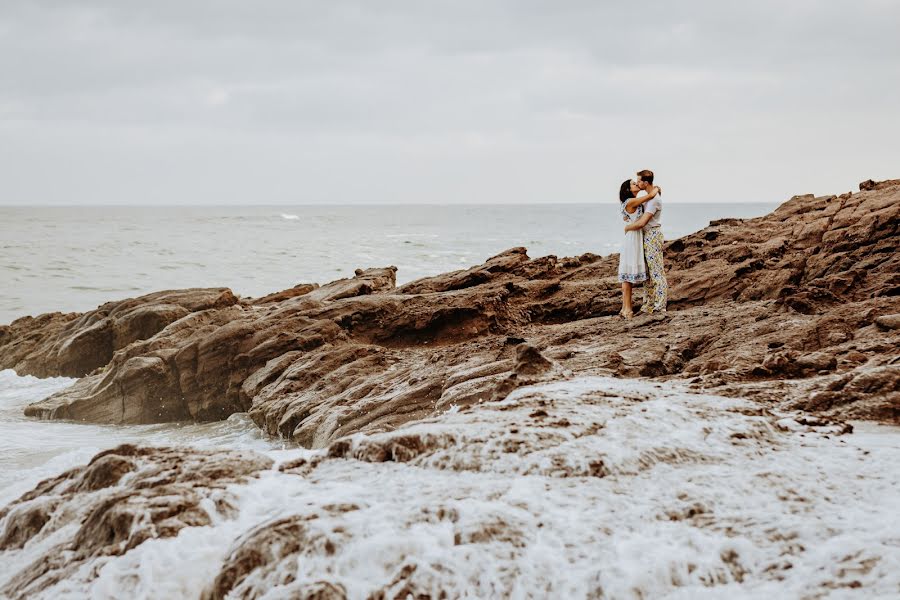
{"points": [[74, 259]]}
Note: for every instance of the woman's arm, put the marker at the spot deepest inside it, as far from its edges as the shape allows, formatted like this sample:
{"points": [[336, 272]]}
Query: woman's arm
{"points": [[635, 202], [639, 224]]}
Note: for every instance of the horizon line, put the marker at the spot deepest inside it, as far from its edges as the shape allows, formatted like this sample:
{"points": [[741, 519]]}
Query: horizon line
{"points": [[362, 205]]}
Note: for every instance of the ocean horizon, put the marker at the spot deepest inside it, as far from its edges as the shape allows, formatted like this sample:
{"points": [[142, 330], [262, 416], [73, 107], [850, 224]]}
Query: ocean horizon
{"points": [[75, 258]]}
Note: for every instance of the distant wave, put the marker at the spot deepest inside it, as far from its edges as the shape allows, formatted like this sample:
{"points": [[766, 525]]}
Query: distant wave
{"points": [[289, 217]]}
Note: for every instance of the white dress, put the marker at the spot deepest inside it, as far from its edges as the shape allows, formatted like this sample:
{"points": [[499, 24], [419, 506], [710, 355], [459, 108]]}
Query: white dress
{"points": [[631, 260]]}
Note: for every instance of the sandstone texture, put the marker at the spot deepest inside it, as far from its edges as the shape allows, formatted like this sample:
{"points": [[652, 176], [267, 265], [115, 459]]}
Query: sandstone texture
{"points": [[73, 344], [798, 309]]}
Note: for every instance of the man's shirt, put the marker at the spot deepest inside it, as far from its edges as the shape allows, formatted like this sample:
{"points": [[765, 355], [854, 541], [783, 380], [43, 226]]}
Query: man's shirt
{"points": [[653, 207]]}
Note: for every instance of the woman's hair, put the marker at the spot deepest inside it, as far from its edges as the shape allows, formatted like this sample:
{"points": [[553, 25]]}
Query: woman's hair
{"points": [[625, 192]]}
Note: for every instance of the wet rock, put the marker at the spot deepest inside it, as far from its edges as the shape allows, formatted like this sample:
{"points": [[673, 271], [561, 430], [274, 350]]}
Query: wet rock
{"points": [[544, 433], [269, 553], [460, 504], [23, 522], [267, 544], [104, 513]]}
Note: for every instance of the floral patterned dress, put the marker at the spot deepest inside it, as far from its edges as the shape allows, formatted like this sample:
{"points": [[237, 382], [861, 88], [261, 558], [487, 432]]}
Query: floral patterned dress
{"points": [[632, 267]]}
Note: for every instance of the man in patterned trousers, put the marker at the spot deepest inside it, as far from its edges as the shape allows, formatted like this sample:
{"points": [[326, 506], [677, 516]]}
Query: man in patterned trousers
{"points": [[656, 288]]}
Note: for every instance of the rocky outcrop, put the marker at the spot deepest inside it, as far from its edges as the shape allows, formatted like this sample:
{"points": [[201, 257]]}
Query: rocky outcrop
{"points": [[122, 498], [73, 345], [796, 308]]}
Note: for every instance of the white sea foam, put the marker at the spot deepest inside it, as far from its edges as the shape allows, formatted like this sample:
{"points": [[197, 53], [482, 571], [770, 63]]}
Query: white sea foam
{"points": [[32, 450], [703, 497], [290, 217]]}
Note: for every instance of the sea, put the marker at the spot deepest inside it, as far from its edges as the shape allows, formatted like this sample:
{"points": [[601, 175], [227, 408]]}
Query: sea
{"points": [[74, 259]]}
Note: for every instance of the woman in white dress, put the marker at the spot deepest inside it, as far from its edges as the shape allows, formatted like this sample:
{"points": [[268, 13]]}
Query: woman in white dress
{"points": [[632, 268]]}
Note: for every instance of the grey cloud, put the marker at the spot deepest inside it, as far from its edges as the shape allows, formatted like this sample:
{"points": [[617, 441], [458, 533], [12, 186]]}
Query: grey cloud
{"points": [[528, 100]]}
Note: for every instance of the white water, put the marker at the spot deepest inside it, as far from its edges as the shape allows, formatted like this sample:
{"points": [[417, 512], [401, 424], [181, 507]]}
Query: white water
{"points": [[32, 450], [702, 500]]}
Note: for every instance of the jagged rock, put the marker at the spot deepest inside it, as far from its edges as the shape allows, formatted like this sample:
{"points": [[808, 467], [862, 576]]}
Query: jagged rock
{"points": [[530, 367], [530, 361], [73, 345], [298, 290], [793, 297], [113, 514], [861, 394]]}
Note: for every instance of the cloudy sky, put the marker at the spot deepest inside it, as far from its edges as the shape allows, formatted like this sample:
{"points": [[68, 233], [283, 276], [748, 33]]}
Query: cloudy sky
{"points": [[476, 101]]}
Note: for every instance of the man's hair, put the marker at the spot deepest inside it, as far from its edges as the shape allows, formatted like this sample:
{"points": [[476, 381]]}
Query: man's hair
{"points": [[646, 175]]}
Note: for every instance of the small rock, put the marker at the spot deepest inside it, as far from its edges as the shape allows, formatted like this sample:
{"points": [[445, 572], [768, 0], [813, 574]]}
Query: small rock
{"points": [[530, 361], [817, 361]]}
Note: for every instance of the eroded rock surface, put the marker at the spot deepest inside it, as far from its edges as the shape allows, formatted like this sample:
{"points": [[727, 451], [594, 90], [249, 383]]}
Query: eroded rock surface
{"points": [[122, 498], [797, 308], [73, 345]]}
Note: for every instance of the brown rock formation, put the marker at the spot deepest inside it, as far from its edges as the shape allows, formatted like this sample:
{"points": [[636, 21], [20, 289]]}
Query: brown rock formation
{"points": [[162, 496], [73, 345], [795, 308]]}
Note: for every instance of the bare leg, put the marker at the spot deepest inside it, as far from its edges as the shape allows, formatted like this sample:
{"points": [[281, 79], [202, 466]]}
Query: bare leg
{"points": [[627, 310]]}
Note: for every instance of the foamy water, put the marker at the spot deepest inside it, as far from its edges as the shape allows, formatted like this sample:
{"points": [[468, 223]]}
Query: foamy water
{"points": [[32, 450], [703, 497]]}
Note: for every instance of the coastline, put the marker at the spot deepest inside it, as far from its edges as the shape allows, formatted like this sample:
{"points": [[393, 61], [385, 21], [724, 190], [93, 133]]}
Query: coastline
{"points": [[583, 488], [75, 259], [781, 330]]}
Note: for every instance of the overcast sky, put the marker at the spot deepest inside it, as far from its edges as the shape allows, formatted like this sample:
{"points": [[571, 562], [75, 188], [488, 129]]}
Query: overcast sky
{"points": [[482, 101]]}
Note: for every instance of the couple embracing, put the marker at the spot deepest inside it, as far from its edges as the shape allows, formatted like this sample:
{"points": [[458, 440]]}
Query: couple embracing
{"points": [[641, 259]]}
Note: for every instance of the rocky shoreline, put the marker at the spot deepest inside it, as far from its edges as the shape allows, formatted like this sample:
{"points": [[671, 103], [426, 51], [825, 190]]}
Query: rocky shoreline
{"points": [[795, 315], [798, 309], [585, 488]]}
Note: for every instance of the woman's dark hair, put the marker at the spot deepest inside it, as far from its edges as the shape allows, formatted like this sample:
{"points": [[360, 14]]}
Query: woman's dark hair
{"points": [[625, 192]]}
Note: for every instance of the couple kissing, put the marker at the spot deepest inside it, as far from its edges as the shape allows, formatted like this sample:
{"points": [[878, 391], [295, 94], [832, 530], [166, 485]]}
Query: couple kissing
{"points": [[641, 259]]}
